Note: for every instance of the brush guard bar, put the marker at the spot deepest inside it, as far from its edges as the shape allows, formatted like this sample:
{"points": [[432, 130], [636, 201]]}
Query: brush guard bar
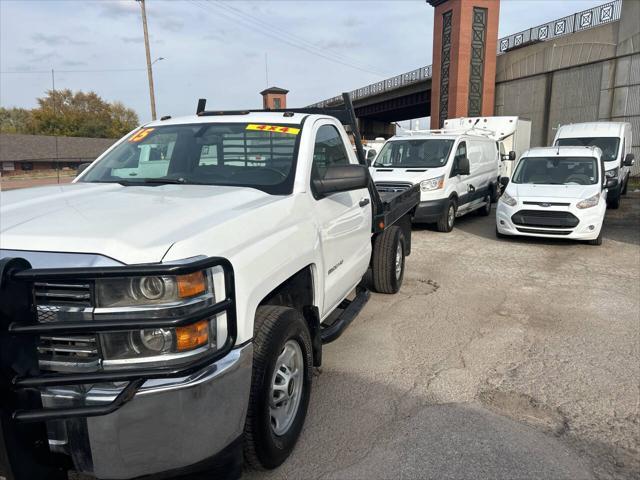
{"points": [[20, 376]]}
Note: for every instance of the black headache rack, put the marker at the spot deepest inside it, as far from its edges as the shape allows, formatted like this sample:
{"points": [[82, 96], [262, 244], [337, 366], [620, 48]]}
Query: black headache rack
{"points": [[387, 209], [20, 375]]}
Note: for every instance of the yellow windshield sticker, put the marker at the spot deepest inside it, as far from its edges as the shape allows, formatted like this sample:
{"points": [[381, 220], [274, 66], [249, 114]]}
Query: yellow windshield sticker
{"points": [[140, 135], [273, 128]]}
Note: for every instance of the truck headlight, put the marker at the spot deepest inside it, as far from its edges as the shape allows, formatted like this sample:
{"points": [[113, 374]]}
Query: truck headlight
{"points": [[613, 173], [589, 202], [432, 184], [160, 297], [508, 200]]}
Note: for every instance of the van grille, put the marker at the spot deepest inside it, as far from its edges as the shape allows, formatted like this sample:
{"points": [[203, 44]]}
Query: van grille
{"points": [[393, 187], [545, 219]]}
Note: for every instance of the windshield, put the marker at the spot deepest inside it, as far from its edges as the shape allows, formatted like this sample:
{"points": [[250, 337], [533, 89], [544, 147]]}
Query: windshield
{"points": [[608, 145], [414, 153], [557, 171], [233, 154]]}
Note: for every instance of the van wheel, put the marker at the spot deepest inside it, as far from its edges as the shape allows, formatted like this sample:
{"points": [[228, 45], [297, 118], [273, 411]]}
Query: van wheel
{"points": [[280, 386], [614, 203], [597, 240], [485, 211], [388, 260], [448, 218]]}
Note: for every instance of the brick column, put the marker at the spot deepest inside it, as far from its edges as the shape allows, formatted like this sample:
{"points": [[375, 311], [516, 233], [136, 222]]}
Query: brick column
{"points": [[465, 36]]}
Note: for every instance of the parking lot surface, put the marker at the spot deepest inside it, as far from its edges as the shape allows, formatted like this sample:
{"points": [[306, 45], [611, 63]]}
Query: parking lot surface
{"points": [[515, 358]]}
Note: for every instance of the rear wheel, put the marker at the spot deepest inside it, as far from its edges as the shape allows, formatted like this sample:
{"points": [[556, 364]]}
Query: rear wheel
{"points": [[280, 386], [485, 211], [624, 188], [448, 218], [388, 260]]}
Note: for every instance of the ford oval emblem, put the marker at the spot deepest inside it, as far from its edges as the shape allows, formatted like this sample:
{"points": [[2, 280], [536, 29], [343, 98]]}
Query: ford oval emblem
{"points": [[545, 205]]}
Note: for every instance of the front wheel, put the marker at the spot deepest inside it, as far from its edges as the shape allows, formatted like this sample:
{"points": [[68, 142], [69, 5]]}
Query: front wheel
{"points": [[614, 203], [625, 186], [448, 218], [280, 386]]}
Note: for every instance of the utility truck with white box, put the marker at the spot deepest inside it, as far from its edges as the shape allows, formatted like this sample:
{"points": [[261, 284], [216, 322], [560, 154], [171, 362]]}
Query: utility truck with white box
{"points": [[165, 320]]}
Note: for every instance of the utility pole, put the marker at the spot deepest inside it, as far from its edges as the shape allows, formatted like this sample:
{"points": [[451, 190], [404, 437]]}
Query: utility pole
{"points": [[152, 96]]}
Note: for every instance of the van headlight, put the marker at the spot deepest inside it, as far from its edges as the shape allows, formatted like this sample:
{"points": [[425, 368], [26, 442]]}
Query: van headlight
{"points": [[613, 173], [508, 200], [589, 202], [166, 296], [432, 184]]}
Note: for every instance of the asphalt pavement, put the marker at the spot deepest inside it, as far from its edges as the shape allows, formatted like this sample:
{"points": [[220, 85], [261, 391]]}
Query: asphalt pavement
{"points": [[507, 359]]}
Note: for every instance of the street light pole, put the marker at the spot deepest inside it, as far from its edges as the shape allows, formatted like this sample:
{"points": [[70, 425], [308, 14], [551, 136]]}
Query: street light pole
{"points": [[152, 96]]}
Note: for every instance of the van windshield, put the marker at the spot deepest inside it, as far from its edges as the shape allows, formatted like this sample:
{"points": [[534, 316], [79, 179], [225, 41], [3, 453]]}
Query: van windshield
{"points": [[430, 153], [231, 154], [557, 171], [608, 145]]}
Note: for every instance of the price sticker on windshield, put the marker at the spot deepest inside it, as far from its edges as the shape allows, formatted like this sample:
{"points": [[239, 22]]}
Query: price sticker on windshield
{"points": [[140, 135], [273, 128]]}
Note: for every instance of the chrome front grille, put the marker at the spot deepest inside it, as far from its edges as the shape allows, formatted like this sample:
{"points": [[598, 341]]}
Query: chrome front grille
{"points": [[59, 302]]}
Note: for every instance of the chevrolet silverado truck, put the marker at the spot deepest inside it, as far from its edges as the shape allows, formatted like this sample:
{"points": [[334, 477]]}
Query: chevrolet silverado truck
{"points": [[162, 314]]}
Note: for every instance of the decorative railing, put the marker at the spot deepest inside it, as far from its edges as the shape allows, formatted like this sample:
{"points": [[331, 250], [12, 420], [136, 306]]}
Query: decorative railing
{"points": [[593, 17]]}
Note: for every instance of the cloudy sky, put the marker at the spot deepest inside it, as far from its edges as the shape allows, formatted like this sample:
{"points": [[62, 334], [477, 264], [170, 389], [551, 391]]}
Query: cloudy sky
{"points": [[216, 49]]}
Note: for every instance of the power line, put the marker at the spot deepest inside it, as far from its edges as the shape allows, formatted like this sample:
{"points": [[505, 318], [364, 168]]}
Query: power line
{"points": [[288, 42], [48, 72], [278, 31]]}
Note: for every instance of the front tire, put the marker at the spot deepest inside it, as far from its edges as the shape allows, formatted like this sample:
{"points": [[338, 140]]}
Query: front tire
{"points": [[485, 211], [614, 203], [388, 260], [624, 188], [448, 218], [280, 386]]}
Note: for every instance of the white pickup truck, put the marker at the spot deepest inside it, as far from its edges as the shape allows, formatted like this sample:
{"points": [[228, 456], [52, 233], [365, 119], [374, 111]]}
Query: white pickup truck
{"points": [[166, 320]]}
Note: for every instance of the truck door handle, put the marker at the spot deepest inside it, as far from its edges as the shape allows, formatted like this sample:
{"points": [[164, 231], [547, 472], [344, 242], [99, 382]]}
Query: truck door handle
{"points": [[364, 202]]}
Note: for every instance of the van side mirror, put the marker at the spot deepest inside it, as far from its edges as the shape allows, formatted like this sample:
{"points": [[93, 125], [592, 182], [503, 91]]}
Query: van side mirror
{"points": [[509, 157], [82, 167], [342, 178], [629, 160], [504, 181], [612, 183], [462, 167]]}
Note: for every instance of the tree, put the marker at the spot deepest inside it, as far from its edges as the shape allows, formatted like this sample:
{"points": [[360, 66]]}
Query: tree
{"points": [[73, 114]]}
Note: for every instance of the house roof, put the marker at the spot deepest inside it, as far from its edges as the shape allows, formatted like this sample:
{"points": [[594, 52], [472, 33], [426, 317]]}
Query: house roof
{"points": [[16, 147], [274, 90]]}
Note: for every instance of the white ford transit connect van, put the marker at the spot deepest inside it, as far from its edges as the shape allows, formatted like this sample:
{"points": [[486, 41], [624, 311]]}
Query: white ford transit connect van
{"points": [[614, 139], [557, 192], [457, 173]]}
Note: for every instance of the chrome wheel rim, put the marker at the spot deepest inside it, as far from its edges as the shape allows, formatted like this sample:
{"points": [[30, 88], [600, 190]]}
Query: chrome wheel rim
{"points": [[399, 261], [286, 387], [451, 216]]}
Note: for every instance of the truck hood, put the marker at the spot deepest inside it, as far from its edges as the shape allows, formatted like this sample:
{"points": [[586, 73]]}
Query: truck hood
{"points": [[552, 191], [134, 224]]}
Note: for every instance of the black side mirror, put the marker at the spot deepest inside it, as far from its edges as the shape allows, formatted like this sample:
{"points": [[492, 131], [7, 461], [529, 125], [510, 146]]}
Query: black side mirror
{"points": [[82, 167], [342, 178], [462, 167], [512, 155], [629, 160], [612, 183], [504, 181]]}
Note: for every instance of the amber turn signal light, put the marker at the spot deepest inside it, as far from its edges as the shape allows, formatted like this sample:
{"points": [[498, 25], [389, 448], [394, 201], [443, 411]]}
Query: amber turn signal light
{"points": [[192, 336], [191, 284]]}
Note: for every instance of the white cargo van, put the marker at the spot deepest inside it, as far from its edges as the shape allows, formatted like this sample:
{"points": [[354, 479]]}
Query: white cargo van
{"points": [[512, 133], [556, 192], [614, 139], [457, 173]]}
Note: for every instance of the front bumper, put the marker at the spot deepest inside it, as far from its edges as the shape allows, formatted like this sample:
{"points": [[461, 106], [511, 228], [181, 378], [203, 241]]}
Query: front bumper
{"points": [[588, 228], [170, 424], [430, 211]]}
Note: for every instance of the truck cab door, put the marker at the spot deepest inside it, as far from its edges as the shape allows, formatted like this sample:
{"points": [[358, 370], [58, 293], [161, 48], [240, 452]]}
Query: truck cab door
{"points": [[461, 183], [344, 219]]}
